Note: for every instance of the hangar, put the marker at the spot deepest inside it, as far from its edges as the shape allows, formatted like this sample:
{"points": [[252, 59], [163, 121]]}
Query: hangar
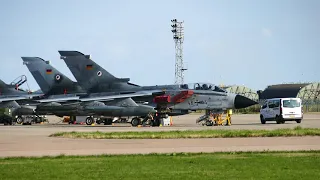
{"points": [[308, 92], [281, 91], [244, 91]]}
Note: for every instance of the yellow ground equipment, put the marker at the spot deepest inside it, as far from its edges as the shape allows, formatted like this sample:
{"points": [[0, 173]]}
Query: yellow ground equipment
{"points": [[213, 119]]}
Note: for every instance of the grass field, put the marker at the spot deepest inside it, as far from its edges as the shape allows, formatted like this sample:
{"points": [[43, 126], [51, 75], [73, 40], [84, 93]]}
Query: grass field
{"points": [[298, 131], [263, 165]]}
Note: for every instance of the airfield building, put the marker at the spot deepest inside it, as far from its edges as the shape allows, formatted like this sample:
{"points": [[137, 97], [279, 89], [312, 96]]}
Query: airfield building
{"points": [[244, 91]]}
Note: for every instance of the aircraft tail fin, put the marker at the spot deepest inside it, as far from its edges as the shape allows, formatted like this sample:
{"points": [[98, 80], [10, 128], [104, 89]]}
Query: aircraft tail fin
{"points": [[3, 84], [88, 73], [50, 80]]}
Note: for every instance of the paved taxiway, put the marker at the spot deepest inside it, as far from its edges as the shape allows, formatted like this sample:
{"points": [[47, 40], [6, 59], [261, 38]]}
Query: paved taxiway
{"points": [[34, 141]]}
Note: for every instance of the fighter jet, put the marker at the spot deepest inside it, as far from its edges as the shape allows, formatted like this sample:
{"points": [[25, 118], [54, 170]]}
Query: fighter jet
{"points": [[167, 99], [16, 99], [11, 93], [62, 96]]}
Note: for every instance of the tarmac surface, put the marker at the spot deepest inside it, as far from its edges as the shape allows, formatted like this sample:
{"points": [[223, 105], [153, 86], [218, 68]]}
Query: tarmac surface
{"points": [[34, 140]]}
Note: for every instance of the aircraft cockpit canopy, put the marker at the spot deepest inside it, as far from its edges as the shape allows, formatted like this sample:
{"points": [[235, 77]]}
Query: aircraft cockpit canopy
{"points": [[202, 86]]}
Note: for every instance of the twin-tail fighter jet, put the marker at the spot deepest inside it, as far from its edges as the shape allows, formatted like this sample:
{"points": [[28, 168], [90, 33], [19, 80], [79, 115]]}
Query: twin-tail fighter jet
{"points": [[99, 93]]}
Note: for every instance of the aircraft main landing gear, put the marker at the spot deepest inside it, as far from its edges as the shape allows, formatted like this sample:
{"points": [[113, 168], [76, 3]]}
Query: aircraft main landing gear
{"points": [[135, 121], [89, 120], [147, 120], [19, 120]]}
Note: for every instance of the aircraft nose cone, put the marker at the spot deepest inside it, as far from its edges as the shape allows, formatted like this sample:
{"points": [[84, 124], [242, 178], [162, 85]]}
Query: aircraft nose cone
{"points": [[243, 102]]}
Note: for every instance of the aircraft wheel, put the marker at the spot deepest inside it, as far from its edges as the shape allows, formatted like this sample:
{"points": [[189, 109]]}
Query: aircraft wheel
{"points": [[108, 121], [89, 120], [19, 120], [135, 122], [209, 123], [154, 123], [37, 119]]}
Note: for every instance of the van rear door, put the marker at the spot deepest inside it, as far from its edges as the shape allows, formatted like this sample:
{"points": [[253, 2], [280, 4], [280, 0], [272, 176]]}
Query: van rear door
{"points": [[291, 108]]}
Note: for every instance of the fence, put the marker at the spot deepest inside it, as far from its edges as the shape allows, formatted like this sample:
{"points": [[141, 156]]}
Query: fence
{"points": [[311, 106]]}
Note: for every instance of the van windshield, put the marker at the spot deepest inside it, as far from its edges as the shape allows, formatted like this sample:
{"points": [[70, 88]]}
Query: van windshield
{"points": [[291, 103]]}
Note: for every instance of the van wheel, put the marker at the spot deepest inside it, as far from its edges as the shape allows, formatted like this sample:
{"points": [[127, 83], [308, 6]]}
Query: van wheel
{"points": [[298, 120], [263, 121], [279, 120]]}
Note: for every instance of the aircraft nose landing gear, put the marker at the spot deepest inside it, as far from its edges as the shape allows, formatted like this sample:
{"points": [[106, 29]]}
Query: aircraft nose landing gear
{"points": [[215, 119]]}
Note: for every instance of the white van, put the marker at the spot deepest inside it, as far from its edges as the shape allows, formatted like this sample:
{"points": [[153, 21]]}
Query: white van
{"points": [[281, 110]]}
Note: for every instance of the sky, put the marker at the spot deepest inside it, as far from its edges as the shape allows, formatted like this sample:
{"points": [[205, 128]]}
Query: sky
{"points": [[232, 42]]}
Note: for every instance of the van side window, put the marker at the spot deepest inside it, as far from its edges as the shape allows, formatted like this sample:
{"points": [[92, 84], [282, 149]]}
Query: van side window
{"points": [[271, 104], [264, 106], [276, 103]]}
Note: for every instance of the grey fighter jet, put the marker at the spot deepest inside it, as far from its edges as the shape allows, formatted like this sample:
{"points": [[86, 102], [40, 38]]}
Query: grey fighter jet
{"points": [[62, 96], [11, 93], [16, 99], [167, 99]]}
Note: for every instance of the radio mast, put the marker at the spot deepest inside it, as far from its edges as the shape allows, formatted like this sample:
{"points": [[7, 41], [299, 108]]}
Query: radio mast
{"points": [[178, 37]]}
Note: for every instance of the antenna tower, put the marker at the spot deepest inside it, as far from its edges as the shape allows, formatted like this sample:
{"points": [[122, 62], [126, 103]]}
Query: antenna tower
{"points": [[178, 37]]}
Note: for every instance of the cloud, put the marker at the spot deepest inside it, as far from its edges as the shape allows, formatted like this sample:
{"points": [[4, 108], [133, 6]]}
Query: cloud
{"points": [[266, 32]]}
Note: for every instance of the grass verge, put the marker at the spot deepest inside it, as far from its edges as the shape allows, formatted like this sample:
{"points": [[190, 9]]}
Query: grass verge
{"points": [[298, 131], [238, 165]]}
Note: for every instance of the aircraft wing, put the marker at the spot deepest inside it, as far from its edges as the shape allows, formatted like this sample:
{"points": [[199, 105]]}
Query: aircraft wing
{"points": [[12, 99], [62, 99], [99, 98], [16, 98], [119, 96]]}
